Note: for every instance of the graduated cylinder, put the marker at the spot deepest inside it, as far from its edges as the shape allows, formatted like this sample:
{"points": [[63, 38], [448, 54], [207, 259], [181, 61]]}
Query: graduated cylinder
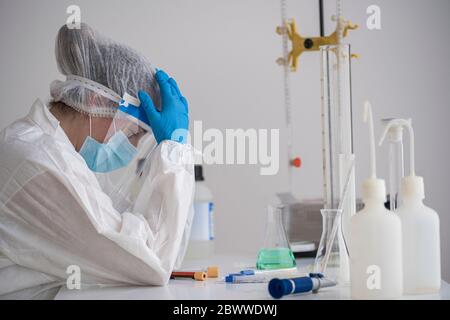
{"points": [[337, 132]]}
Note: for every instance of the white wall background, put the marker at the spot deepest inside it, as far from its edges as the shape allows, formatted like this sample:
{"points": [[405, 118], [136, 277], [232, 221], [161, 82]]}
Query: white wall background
{"points": [[223, 55]]}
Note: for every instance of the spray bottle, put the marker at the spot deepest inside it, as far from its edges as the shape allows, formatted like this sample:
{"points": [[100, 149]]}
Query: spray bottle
{"points": [[420, 226], [375, 239]]}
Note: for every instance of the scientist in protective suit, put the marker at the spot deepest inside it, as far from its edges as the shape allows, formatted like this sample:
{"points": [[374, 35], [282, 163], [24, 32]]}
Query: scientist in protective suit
{"points": [[96, 181]]}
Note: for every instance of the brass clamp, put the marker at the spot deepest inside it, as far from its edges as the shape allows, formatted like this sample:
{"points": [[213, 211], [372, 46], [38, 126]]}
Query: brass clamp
{"points": [[300, 44]]}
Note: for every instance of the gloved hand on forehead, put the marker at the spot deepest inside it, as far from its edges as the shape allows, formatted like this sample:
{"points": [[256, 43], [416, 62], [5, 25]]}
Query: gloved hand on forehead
{"points": [[172, 122]]}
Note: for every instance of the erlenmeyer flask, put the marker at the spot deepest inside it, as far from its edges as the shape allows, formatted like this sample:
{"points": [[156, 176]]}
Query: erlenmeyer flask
{"points": [[275, 253], [332, 258]]}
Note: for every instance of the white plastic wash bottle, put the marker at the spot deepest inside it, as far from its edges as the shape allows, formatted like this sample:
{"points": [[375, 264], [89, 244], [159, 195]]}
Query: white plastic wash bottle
{"points": [[375, 239], [420, 229], [201, 243]]}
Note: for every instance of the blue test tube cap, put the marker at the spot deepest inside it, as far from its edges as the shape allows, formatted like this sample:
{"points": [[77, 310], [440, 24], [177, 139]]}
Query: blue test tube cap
{"points": [[230, 278]]}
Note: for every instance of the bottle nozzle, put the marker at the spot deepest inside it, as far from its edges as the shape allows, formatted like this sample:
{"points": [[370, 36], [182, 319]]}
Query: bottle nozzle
{"points": [[373, 188], [368, 117], [408, 125]]}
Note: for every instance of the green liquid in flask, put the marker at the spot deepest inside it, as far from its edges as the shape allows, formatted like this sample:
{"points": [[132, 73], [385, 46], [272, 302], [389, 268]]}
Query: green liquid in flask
{"points": [[275, 258]]}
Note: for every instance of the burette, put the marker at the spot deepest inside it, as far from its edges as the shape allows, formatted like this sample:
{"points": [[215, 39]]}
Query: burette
{"points": [[287, 91], [337, 105], [289, 61]]}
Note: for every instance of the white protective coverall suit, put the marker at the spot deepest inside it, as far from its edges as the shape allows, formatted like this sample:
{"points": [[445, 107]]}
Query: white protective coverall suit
{"points": [[54, 214]]}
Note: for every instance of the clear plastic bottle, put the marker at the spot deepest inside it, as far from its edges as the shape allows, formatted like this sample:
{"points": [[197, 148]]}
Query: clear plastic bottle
{"points": [[375, 240], [421, 244], [201, 243], [420, 228]]}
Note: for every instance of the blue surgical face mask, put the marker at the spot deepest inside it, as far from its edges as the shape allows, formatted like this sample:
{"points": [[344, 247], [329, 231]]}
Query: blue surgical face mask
{"points": [[106, 157]]}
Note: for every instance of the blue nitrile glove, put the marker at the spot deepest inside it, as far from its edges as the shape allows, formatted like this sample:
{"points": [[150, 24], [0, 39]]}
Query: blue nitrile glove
{"points": [[172, 123]]}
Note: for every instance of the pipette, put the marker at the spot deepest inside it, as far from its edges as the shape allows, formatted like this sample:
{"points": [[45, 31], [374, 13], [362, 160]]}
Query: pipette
{"points": [[258, 276]]}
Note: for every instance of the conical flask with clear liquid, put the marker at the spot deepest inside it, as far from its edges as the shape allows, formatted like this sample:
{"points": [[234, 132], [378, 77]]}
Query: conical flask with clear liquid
{"points": [[275, 253]]}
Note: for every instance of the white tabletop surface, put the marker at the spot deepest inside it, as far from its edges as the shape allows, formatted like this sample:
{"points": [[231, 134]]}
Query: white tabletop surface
{"points": [[216, 289]]}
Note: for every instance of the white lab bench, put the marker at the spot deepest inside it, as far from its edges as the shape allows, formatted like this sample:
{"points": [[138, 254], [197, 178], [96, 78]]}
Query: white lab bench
{"points": [[216, 289]]}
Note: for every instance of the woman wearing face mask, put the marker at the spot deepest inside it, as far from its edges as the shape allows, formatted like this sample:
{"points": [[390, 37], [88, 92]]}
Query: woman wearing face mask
{"points": [[57, 209]]}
